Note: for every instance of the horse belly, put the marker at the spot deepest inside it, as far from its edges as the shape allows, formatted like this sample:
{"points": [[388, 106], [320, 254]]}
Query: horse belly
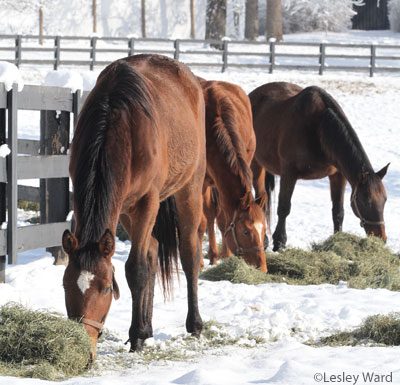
{"points": [[184, 159]]}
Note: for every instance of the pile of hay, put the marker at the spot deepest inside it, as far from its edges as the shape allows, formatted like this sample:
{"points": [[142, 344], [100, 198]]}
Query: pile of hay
{"points": [[362, 262], [40, 344], [376, 329]]}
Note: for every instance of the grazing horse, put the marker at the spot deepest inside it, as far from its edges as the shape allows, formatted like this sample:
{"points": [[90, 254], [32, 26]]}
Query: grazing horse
{"points": [[304, 134], [230, 148], [138, 154]]}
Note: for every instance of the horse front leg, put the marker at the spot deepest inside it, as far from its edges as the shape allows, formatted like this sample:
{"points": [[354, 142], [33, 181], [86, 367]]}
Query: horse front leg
{"points": [[287, 185], [189, 207], [140, 269], [337, 185], [261, 195], [210, 212]]}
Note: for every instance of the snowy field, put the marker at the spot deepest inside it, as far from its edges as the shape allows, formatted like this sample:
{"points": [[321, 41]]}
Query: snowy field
{"points": [[270, 322]]}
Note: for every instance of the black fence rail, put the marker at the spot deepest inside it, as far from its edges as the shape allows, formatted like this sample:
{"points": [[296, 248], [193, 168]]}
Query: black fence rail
{"points": [[92, 52], [46, 159]]}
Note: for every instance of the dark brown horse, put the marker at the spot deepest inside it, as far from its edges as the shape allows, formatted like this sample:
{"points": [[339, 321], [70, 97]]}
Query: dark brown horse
{"points": [[304, 134], [230, 148], [139, 155]]}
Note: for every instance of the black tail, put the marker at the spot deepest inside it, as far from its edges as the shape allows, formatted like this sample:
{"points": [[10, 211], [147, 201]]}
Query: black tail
{"points": [[269, 187], [215, 198], [166, 232]]}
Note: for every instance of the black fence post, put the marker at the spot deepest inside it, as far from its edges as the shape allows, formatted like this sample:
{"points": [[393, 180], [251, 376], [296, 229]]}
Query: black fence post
{"points": [[18, 42], [321, 58], [93, 44], [54, 193], [131, 46], [177, 49], [57, 42], [271, 56], [3, 208], [12, 179], [225, 55], [372, 64]]}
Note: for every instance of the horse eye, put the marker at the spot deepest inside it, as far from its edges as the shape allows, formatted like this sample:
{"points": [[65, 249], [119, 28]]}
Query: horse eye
{"points": [[246, 232]]}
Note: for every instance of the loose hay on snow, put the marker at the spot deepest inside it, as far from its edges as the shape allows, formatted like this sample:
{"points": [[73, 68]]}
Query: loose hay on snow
{"points": [[41, 344], [376, 329], [362, 262]]}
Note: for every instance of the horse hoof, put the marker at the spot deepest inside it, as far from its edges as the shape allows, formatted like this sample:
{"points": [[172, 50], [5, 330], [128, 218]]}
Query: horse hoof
{"points": [[137, 346], [266, 242], [196, 334]]}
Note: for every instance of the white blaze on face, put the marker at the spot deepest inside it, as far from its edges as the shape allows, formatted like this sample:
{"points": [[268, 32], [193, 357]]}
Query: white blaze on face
{"points": [[84, 280], [259, 227]]}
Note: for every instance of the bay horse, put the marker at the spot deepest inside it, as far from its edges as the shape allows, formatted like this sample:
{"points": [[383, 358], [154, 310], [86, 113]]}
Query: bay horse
{"points": [[304, 134], [227, 189], [138, 155]]}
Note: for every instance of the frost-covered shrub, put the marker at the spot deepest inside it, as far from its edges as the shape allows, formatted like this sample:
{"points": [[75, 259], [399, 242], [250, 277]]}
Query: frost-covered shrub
{"points": [[317, 15], [394, 15]]}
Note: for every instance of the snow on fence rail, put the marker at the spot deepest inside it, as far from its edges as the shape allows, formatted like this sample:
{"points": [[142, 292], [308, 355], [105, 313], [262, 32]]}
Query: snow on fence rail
{"points": [[94, 52], [56, 104]]}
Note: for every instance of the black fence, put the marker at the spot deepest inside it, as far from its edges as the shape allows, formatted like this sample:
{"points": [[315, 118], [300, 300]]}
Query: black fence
{"points": [[92, 52], [46, 159]]}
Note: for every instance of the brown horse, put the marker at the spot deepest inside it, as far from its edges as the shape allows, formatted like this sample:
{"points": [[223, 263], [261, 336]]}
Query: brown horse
{"points": [[230, 148], [139, 141], [304, 134]]}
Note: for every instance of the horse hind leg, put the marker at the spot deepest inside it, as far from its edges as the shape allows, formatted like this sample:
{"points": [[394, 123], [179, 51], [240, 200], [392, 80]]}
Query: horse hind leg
{"points": [[189, 207], [140, 269], [337, 185]]}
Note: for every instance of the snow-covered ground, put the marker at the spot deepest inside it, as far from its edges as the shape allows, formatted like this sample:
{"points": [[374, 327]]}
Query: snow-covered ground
{"points": [[284, 316]]}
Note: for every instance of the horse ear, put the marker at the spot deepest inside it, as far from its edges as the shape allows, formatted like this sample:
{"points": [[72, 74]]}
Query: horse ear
{"points": [[69, 242], [381, 173], [107, 244], [246, 200]]}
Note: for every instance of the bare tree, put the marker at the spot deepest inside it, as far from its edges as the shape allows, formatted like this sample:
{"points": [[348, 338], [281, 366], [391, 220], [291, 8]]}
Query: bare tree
{"points": [[215, 19], [274, 20], [251, 20], [143, 18], [94, 15], [192, 20]]}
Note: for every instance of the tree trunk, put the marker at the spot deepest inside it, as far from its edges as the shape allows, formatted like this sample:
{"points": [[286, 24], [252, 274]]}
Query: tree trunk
{"points": [[40, 25], [215, 19], [143, 4], [251, 21], [192, 20], [274, 20], [94, 14]]}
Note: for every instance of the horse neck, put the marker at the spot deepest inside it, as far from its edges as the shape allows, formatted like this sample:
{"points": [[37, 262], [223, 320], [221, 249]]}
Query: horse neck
{"points": [[230, 190], [342, 146]]}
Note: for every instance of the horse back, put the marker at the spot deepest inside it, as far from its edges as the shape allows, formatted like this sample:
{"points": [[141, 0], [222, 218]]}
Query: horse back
{"points": [[286, 121], [178, 132], [230, 102]]}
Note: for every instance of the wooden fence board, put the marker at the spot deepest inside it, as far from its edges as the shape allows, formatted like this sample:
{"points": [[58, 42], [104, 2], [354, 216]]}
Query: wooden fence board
{"points": [[28, 147], [37, 236], [3, 170], [45, 98], [46, 166]]}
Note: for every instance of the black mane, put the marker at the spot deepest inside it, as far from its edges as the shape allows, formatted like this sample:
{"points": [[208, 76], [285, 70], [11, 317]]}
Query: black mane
{"points": [[339, 139], [119, 88]]}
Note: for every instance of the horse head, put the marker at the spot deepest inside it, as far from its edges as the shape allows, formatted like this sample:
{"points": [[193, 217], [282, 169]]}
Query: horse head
{"points": [[89, 287], [246, 231], [368, 200]]}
